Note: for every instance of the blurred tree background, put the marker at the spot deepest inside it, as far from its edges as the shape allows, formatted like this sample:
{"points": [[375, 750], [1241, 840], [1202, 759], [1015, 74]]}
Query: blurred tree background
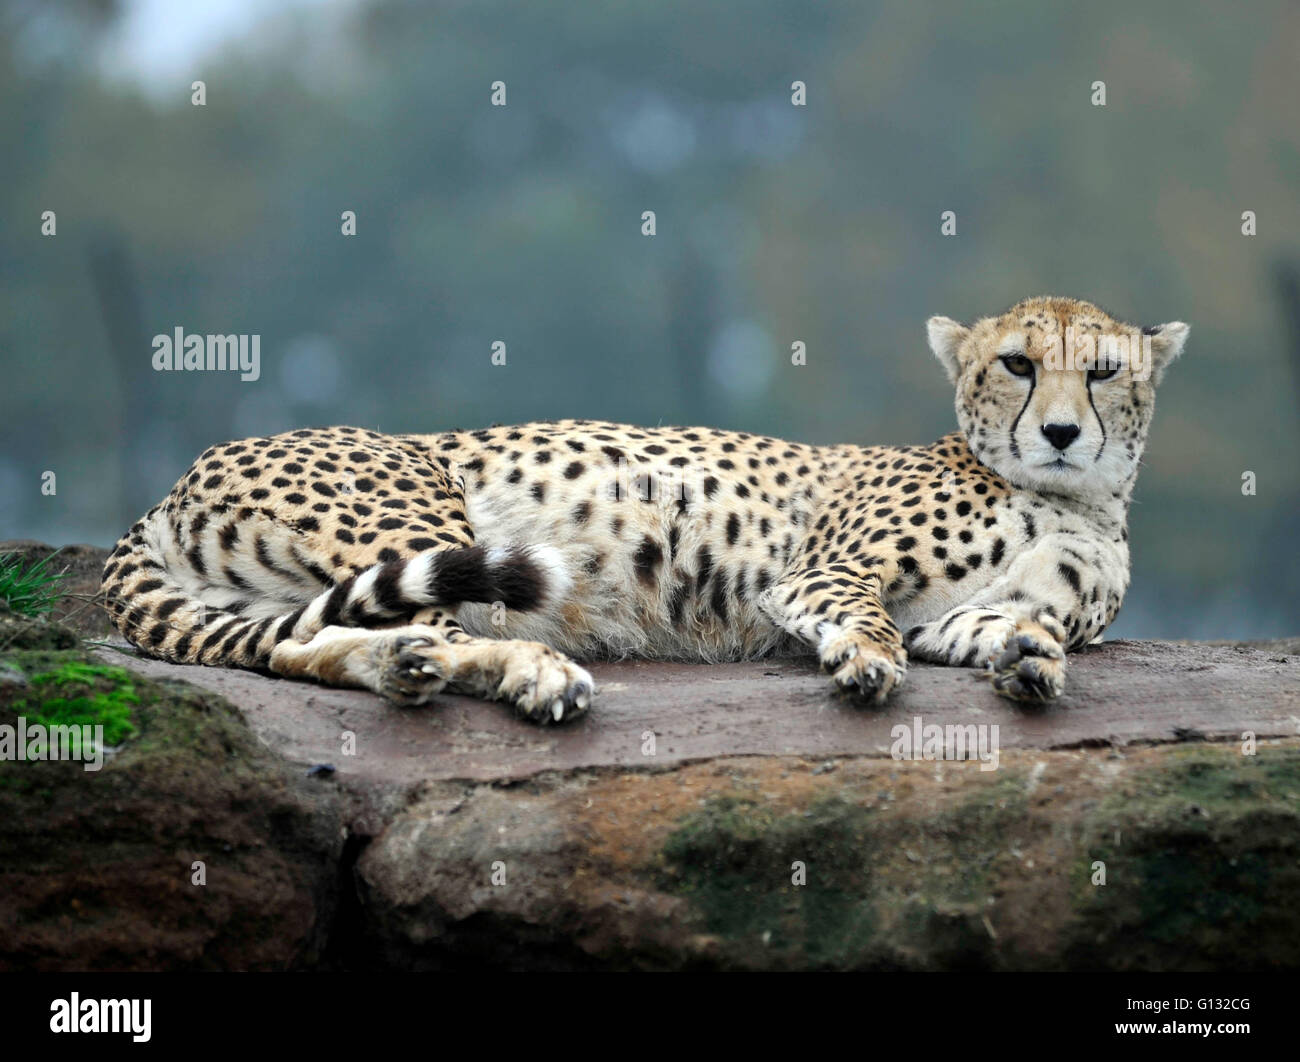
{"points": [[522, 223]]}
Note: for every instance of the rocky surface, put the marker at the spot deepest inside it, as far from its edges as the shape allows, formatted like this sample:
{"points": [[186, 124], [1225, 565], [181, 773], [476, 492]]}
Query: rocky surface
{"points": [[192, 847], [782, 863], [730, 816], [651, 715]]}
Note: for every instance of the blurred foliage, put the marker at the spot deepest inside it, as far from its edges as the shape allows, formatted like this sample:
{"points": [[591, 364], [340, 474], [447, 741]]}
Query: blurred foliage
{"points": [[775, 224]]}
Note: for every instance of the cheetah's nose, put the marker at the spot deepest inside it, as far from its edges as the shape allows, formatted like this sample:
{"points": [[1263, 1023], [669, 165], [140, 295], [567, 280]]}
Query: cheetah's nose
{"points": [[1061, 435]]}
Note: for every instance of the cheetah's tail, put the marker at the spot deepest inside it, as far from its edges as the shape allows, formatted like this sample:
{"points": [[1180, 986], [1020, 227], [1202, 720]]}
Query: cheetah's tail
{"points": [[148, 592]]}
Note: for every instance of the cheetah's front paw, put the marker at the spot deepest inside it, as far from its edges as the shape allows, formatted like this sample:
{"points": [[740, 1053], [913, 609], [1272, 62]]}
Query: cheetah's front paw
{"points": [[863, 667], [1031, 669]]}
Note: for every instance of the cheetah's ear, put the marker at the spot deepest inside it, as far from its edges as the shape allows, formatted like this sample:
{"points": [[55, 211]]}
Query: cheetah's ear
{"points": [[946, 338], [1166, 344]]}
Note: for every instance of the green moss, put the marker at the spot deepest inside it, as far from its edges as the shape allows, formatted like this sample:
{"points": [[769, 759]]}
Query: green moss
{"points": [[76, 693], [1202, 855], [1201, 847], [93, 864], [967, 844], [735, 860], [880, 891]]}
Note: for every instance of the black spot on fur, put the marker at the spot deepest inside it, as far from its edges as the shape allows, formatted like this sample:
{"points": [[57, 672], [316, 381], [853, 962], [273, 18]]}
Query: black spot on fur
{"points": [[705, 568], [677, 606], [719, 600], [647, 558]]}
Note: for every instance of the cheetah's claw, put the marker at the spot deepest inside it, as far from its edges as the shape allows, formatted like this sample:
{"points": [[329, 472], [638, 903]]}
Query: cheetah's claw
{"points": [[544, 686], [411, 677]]}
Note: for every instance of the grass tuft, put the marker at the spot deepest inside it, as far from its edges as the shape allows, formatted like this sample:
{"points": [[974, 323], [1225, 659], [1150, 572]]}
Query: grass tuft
{"points": [[29, 589]]}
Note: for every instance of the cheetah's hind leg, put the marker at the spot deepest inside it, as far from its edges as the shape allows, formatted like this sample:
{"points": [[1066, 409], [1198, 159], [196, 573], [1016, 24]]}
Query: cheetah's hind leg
{"points": [[411, 664]]}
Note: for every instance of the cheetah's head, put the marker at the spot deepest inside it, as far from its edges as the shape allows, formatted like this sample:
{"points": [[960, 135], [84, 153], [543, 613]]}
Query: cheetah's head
{"points": [[1055, 394]]}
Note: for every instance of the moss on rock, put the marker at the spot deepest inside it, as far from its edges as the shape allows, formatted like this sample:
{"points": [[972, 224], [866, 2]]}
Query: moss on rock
{"points": [[71, 692], [97, 868], [1201, 853], [799, 883], [1200, 846], [843, 884]]}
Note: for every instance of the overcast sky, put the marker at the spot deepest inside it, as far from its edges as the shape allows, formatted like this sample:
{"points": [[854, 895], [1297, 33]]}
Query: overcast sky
{"points": [[159, 42]]}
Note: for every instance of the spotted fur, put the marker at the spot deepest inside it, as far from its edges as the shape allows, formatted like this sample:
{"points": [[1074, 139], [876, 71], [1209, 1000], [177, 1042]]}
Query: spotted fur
{"points": [[481, 560]]}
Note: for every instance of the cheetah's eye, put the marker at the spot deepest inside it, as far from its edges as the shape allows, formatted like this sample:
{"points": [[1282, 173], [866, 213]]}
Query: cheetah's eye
{"points": [[1018, 365], [1103, 372]]}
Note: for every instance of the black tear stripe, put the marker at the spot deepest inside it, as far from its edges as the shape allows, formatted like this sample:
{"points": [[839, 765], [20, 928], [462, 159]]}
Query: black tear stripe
{"points": [[1100, 423], [1015, 446]]}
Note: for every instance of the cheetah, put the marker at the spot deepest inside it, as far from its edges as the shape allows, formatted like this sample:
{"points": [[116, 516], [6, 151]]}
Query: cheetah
{"points": [[483, 561]]}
